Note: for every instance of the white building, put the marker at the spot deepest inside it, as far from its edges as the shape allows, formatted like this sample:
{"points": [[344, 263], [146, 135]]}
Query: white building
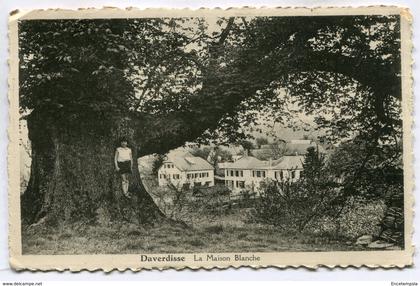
{"points": [[181, 168], [248, 171]]}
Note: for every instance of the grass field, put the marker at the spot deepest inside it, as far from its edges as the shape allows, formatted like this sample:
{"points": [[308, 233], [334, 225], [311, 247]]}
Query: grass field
{"points": [[222, 236]]}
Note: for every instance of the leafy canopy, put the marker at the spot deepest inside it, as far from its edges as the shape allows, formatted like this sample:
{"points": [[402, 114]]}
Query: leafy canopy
{"points": [[193, 79]]}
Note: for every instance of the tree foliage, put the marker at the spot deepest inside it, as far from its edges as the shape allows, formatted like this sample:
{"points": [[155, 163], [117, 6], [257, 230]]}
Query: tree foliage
{"points": [[212, 154], [275, 151], [261, 141], [212, 83], [164, 81]]}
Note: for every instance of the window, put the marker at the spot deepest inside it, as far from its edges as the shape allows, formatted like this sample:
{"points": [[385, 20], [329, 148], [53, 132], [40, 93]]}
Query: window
{"points": [[253, 173], [231, 173], [263, 174], [242, 173], [279, 175], [176, 176], [240, 184], [237, 173], [293, 174], [258, 174]]}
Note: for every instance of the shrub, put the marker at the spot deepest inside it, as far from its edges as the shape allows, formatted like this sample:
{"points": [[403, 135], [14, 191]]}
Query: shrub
{"points": [[294, 205], [192, 205], [359, 218]]}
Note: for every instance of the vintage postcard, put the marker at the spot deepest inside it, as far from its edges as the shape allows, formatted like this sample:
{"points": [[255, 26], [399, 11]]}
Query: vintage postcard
{"points": [[153, 139]]}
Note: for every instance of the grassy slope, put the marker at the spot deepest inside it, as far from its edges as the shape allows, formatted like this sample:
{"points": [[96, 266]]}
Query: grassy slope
{"points": [[122, 239]]}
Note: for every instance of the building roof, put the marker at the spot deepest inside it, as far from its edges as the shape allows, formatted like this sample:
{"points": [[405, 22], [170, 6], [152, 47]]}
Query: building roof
{"points": [[294, 147], [247, 162], [252, 163], [184, 161], [289, 162], [179, 152]]}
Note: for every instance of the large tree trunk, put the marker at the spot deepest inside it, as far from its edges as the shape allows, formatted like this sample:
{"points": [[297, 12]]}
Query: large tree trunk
{"points": [[73, 177]]}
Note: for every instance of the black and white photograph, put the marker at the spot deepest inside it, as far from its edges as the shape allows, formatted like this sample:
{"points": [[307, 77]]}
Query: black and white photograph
{"points": [[207, 135]]}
